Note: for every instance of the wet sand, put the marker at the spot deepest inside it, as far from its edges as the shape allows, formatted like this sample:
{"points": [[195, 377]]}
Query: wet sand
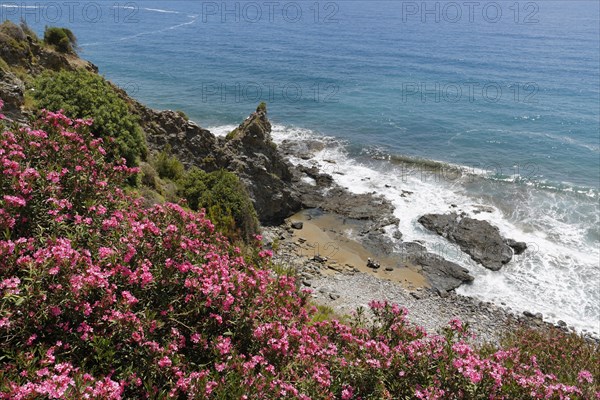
{"points": [[331, 236]]}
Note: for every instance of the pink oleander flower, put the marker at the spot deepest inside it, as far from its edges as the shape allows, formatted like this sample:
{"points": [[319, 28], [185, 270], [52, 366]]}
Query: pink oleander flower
{"points": [[456, 324], [585, 376], [164, 362], [347, 393], [129, 298], [53, 177], [11, 284], [14, 201], [224, 345]]}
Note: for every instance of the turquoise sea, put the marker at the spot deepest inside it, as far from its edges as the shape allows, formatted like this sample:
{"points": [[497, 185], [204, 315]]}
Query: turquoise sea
{"points": [[402, 91]]}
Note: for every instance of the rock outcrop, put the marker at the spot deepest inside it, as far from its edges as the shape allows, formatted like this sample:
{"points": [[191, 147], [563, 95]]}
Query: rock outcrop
{"points": [[12, 92], [192, 144], [248, 151], [443, 275], [478, 238]]}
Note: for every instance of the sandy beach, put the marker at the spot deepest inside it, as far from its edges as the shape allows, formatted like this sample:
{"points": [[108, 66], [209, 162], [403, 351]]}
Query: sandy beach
{"points": [[331, 236]]}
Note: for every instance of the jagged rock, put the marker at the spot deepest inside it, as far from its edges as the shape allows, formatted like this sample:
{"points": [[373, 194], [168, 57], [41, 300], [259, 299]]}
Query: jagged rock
{"points": [[248, 152], [340, 201], [251, 154], [479, 239], [440, 273], [12, 91], [192, 144], [321, 179], [518, 247]]}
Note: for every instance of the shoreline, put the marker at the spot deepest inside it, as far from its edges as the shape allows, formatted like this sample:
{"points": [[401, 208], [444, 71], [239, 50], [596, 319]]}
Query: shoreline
{"points": [[342, 285], [346, 287], [306, 186]]}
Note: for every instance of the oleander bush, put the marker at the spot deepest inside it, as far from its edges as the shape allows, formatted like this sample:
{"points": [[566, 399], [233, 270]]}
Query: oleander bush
{"points": [[82, 94], [557, 352], [101, 298]]}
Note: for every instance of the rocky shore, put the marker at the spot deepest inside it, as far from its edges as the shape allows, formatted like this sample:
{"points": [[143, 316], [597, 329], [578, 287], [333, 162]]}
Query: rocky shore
{"points": [[336, 272], [337, 225]]}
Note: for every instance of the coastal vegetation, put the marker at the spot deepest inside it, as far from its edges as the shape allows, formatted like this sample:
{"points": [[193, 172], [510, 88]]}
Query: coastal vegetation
{"points": [[219, 192], [62, 39], [82, 94]]}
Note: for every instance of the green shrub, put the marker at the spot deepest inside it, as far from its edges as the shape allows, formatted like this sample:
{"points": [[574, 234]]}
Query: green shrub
{"points": [[82, 94], [262, 107], [61, 38], [149, 176], [231, 134], [168, 166], [182, 115], [225, 200]]}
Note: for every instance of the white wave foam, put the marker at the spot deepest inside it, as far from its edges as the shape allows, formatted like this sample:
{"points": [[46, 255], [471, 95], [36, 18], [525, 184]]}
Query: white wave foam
{"points": [[221, 130], [558, 275], [158, 10], [193, 20]]}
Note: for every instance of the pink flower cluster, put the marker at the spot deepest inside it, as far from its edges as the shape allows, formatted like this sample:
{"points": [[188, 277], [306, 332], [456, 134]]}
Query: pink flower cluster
{"points": [[101, 298]]}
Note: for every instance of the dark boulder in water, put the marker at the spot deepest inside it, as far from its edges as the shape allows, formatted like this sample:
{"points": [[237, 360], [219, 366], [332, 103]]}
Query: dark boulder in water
{"points": [[478, 238], [518, 247]]}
